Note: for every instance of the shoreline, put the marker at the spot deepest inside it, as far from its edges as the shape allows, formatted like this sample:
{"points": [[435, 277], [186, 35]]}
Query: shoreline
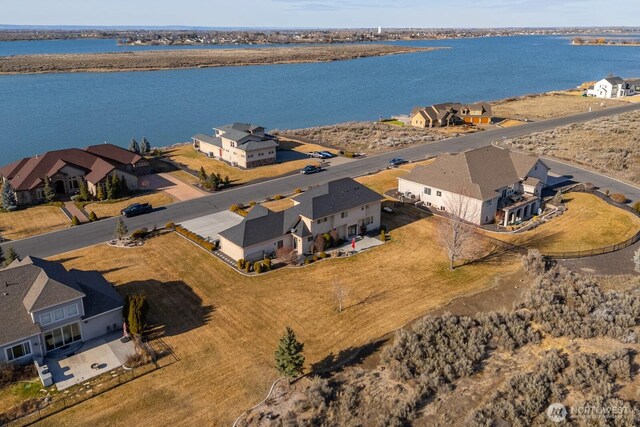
{"points": [[157, 60]]}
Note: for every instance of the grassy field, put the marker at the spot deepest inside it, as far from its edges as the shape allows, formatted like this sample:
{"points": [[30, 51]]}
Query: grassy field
{"points": [[388, 179], [549, 105], [32, 221], [190, 158], [588, 223], [107, 209], [225, 326]]}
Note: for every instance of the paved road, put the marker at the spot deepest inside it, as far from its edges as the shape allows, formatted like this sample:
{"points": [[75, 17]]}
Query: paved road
{"points": [[89, 234]]}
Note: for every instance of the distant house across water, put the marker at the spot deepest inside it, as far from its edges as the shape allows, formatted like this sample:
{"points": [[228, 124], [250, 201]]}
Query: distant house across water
{"points": [[613, 87]]}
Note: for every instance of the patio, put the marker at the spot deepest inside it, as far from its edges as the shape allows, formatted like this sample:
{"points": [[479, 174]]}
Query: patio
{"points": [[104, 353]]}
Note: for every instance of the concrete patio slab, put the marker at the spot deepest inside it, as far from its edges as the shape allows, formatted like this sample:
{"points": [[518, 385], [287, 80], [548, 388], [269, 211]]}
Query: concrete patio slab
{"points": [[362, 243], [107, 352], [211, 225], [171, 185]]}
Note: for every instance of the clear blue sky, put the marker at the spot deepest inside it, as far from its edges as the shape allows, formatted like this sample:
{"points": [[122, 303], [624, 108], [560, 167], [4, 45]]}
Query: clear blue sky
{"points": [[323, 13]]}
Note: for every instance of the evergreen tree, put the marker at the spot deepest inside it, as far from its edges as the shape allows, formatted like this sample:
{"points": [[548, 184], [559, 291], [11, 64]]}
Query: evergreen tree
{"points": [[92, 216], [75, 220], [100, 192], [124, 188], [113, 187], [289, 357], [49, 192], [121, 229], [226, 182], [10, 256], [145, 147], [133, 146], [84, 191], [137, 315], [202, 174], [9, 201]]}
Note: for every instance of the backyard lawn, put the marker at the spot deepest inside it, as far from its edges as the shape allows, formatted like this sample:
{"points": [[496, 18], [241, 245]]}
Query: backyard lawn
{"points": [[31, 221], [588, 223], [190, 158], [388, 179], [225, 326], [107, 209]]}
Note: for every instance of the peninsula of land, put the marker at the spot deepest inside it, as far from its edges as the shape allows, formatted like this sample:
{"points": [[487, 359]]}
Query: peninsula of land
{"points": [[193, 58]]}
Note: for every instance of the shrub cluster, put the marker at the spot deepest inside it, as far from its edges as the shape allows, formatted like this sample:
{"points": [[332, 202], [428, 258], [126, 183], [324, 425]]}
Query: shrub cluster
{"points": [[196, 238], [534, 263], [10, 373], [565, 303], [619, 198]]}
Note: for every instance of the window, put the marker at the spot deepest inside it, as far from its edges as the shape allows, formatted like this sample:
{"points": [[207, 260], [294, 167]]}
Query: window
{"points": [[280, 244], [324, 219], [428, 203], [45, 318], [344, 214], [58, 314], [427, 191], [62, 336], [442, 208], [310, 239], [318, 221], [17, 351], [72, 310], [438, 193]]}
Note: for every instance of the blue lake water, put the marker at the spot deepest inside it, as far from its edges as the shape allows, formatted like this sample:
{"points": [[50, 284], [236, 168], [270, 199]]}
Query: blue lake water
{"points": [[50, 111]]}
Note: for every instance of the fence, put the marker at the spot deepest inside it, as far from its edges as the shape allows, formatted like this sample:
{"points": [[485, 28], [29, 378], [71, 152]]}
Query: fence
{"points": [[592, 252]]}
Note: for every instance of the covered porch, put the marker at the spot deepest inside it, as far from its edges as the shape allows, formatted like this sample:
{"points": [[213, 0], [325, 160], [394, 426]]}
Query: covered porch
{"points": [[520, 209]]}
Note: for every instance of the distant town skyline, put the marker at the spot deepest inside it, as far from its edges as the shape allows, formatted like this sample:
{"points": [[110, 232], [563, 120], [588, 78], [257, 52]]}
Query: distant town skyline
{"points": [[323, 13]]}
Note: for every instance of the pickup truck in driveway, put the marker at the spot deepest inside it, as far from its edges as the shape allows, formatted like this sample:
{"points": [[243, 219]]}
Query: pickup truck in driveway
{"points": [[136, 209]]}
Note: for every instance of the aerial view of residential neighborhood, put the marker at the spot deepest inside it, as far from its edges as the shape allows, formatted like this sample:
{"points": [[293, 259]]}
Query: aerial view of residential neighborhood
{"points": [[320, 213]]}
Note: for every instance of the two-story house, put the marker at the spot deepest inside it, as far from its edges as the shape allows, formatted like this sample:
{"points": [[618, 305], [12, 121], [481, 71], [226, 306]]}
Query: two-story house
{"points": [[44, 308], [493, 184], [240, 144], [611, 87], [344, 208]]}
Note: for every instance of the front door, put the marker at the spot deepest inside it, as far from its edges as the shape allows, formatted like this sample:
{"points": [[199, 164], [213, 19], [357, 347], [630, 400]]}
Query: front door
{"points": [[352, 230]]}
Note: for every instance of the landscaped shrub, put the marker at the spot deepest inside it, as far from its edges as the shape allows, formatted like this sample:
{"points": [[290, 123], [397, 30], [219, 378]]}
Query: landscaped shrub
{"points": [[267, 263], [136, 359], [92, 216], [534, 263], [10, 373], [589, 186], [349, 154], [140, 233], [619, 198], [636, 207], [307, 261], [258, 267], [75, 220], [252, 203], [170, 226], [323, 255], [297, 191], [241, 263], [383, 236], [315, 258], [234, 208], [277, 197]]}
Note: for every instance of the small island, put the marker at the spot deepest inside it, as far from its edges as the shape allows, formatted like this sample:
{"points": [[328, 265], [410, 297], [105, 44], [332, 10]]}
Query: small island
{"points": [[194, 58], [601, 41]]}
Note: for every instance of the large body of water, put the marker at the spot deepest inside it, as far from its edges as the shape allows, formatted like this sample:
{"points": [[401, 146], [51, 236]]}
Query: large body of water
{"points": [[50, 111]]}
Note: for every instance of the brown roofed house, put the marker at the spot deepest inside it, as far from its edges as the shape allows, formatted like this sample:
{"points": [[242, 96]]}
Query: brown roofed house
{"points": [[66, 168], [497, 185]]}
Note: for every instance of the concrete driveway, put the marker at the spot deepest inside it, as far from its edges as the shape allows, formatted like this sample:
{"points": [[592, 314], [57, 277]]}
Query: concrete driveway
{"points": [[211, 225], [108, 352], [179, 190]]}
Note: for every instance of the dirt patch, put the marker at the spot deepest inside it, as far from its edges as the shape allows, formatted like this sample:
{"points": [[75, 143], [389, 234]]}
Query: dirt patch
{"points": [[192, 58]]}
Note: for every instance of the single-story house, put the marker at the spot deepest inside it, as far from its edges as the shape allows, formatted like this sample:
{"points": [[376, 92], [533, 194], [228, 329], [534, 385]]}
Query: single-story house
{"points": [[67, 168], [611, 87], [343, 208], [45, 307], [240, 144], [448, 114], [489, 184]]}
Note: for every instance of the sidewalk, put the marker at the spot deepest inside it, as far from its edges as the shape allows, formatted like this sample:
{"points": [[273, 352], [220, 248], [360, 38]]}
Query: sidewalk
{"points": [[74, 211]]}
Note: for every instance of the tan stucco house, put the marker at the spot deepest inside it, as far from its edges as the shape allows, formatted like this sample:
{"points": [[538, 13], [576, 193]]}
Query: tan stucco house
{"points": [[343, 208], [448, 114], [239, 144], [496, 185]]}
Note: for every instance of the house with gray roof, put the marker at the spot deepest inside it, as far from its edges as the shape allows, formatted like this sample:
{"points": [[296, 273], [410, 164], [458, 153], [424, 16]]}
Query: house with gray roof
{"points": [[45, 308], [239, 144], [343, 208], [493, 184], [611, 87]]}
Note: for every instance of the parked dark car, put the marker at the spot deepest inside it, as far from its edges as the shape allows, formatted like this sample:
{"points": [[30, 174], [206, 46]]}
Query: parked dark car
{"points": [[397, 161], [136, 209], [310, 169], [327, 155]]}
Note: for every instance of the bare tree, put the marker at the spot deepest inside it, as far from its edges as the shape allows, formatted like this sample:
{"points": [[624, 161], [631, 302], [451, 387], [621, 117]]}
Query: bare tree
{"points": [[340, 293], [455, 232], [287, 255]]}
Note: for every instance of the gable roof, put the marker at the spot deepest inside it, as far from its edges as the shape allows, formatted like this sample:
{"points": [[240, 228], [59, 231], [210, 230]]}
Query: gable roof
{"points": [[475, 173], [614, 80], [34, 284], [260, 225], [333, 197], [29, 173], [247, 136], [114, 153], [213, 140]]}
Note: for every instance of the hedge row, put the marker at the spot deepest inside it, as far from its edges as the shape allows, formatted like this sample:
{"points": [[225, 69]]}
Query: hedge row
{"points": [[258, 266], [196, 238]]}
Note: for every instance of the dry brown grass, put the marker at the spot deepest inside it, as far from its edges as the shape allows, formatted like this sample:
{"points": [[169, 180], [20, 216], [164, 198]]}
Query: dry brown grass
{"points": [[187, 156], [588, 223], [609, 144], [388, 179], [32, 221], [549, 105], [225, 326], [107, 209], [279, 205]]}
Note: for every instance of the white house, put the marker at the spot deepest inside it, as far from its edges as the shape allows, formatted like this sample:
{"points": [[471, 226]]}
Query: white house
{"points": [[483, 186], [240, 144], [611, 87], [343, 208]]}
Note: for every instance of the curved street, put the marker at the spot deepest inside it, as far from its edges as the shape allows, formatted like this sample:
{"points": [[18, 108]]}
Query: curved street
{"points": [[49, 244]]}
